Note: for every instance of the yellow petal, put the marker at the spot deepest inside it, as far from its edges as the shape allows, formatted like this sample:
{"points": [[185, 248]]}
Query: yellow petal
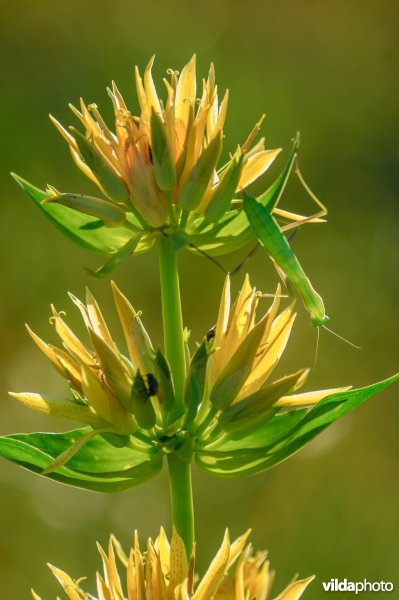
{"points": [[215, 573], [239, 583], [82, 308], [139, 568], [105, 403], [70, 340], [131, 581], [216, 360], [148, 199], [248, 142], [212, 116], [186, 92], [237, 547], [55, 407], [34, 595], [97, 320], [140, 90], [233, 376], [137, 338], [224, 313], [295, 590], [110, 571], [162, 546], [103, 591], [178, 563], [69, 585], [65, 134], [308, 398], [149, 87], [222, 112], [274, 347], [47, 350], [240, 318], [119, 97], [255, 166], [102, 125], [271, 314], [85, 169], [181, 592], [262, 579], [70, 367], [119, 551], [118, 374], [193, 149], [266, 396]]}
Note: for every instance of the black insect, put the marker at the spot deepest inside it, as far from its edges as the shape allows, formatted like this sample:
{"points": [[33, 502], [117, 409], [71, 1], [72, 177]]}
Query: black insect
{"points": [[152, 385], [150, 154], [210, 335]]}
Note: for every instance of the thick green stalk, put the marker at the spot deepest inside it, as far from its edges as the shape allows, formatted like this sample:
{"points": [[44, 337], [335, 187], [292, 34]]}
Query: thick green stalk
{"points": [[179, 471], [182, 500], [172, 314]]}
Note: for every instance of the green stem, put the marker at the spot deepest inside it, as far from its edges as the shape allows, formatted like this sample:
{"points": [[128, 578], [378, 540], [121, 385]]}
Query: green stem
{"points": [[182, 500], [172, 315], [179, 471]]}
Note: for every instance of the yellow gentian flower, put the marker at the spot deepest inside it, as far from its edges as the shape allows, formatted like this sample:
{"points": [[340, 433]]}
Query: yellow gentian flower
{"points": [[163, 572], [246, 350], [110, 392], [164, 160]]}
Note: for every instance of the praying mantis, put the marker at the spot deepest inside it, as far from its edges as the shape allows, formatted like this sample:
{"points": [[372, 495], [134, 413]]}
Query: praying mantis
{"points": [[271, 236]]}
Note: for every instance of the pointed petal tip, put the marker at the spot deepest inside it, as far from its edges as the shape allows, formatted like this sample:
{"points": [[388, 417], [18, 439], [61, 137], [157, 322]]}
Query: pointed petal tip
{"points": [[150, 63], [49, 200]]}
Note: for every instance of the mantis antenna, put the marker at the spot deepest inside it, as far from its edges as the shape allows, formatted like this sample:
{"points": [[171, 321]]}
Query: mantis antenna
{"points": [[341, 338]]}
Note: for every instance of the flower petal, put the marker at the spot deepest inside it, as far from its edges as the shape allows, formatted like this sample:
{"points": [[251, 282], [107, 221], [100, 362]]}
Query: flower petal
{"points": [[56, 407], [255, 166], [295, 590], [213, 577], [308, 398]]}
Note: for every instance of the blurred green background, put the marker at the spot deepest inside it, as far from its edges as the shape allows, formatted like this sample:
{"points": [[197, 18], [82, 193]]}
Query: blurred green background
{"points": [[327, 68]]}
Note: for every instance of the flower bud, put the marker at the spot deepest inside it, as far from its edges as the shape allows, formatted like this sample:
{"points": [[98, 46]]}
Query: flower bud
{"points": [[164, 168], [106, 175], [111, 214], [200, 175], [140, 403], [221, 198]]}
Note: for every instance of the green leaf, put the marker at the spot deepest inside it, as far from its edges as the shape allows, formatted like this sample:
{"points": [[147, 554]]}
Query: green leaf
{"points": [[266, 433], [82, 229], [227, 457], [116, 258], [99, 465], [231, 233]]}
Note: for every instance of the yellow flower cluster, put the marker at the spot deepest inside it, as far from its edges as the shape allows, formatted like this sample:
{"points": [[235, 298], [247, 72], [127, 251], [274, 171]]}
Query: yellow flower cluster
{"points": [[164, 161], [163, 572]]}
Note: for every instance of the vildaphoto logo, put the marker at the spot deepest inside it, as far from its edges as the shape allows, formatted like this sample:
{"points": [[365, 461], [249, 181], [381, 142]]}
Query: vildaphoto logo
{"points": [[335, 585]]}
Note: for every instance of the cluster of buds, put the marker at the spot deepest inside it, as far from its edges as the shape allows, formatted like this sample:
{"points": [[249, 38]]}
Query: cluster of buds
{"points": [[227, 390], [161, 164], [163, 572]]}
